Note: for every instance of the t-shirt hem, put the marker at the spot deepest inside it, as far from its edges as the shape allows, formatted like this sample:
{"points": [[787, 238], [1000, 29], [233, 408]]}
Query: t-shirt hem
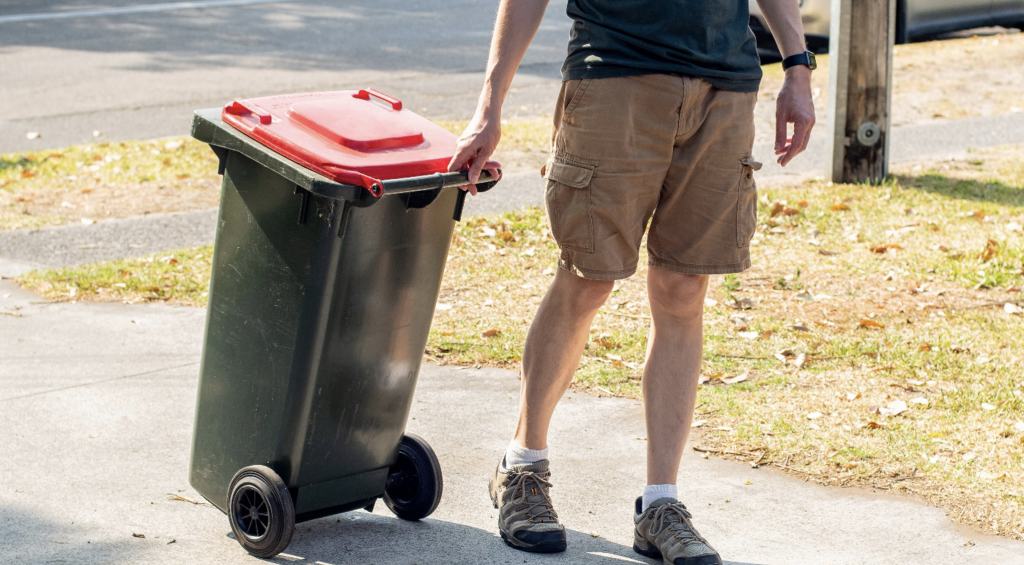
{"points": [[732, 85]]}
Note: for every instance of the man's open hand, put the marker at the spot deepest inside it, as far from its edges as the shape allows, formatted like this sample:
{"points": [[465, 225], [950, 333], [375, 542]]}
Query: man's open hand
{"points": [[793, 106], [475, 147]]}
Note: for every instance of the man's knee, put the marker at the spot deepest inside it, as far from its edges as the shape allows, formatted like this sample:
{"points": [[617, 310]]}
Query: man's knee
{"points": [[675, 294], [583, 295]]}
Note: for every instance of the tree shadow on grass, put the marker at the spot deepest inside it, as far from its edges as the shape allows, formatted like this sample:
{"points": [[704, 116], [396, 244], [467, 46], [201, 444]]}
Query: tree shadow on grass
{"points": [[990, 191]]}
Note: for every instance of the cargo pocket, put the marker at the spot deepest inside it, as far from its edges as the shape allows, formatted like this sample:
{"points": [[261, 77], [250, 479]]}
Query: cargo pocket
{"points": [[568, 201], [746, 204]]}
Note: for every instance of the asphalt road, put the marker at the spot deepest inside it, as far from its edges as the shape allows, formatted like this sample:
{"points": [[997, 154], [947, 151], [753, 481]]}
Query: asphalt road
{"points": [[68, 72]]}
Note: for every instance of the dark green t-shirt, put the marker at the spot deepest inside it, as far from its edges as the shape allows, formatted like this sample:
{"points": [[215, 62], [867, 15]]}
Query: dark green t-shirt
{"points": [[709, 39]]}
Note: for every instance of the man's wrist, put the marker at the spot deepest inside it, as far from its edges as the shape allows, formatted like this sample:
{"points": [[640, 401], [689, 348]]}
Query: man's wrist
{"points": [[801, 72]]}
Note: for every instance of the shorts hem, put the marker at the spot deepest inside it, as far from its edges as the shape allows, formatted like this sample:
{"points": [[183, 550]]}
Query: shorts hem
{"points": [[688, 269], [595, 274]]}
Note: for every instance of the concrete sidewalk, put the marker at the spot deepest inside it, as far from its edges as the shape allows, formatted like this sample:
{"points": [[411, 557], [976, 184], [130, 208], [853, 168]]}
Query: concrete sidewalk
{"points": [[96, 407]]}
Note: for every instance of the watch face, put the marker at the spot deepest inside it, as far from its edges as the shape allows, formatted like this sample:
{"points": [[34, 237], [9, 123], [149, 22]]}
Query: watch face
{"points": [[812, 62]]}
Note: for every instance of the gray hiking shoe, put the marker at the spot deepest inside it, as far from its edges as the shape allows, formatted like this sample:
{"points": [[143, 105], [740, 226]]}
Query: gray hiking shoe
{"points": [[526, 518], [665, 531]]}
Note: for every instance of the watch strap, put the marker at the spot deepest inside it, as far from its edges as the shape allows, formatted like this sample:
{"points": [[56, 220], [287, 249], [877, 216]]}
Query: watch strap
{"points": [[806, 58]]}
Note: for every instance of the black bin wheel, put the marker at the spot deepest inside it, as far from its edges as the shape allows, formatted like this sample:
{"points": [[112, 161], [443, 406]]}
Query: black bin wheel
{"points": [[414, 484], [261, 511]]}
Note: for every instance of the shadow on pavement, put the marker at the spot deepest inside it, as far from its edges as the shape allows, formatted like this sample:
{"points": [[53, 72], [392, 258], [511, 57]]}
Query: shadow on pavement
{"points": [[992, 191], [26, 538], [435, 36], [359, 537]]}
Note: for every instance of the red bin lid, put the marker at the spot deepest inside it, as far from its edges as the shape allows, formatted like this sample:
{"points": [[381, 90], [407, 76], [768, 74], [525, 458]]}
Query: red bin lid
{"points": [[346, 135]]}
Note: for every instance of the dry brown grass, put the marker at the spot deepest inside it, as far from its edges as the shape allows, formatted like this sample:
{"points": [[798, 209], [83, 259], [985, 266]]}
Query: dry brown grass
{"points": [[86, 183]]}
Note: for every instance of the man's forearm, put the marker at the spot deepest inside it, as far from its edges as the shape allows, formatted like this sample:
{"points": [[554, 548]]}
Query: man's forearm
{"points": [[514, 28], [783, 18]]}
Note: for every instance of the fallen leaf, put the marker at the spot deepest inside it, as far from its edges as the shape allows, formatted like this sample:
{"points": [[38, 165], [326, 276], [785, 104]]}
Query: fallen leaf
{"points": [[827, 253], [841, 207], [874, 425], [886, 247], [852, 396], [180, 498], [135, 535], [710, 302], [800, 360], [814, 415], [733, 380], [742, 303], [613, 356], [802, 204], [924, 347], [987, 407], [740, 322], [442, 306], [605, 342], [784, 355], [748, 335], [1011, 308], [767, 334], [894, 408], [990, 251], [491, 333], [919, 400], [507, 236], [869, 323], [798, 328], [777, 209]]}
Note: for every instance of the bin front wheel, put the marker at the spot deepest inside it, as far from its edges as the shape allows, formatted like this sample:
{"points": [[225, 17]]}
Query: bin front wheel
{"points": [[261, 511], [414, 485]]}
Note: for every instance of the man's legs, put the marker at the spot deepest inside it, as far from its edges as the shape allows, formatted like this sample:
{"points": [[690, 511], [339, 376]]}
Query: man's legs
{"points": [[663, 527], [673, 366], [519, 488], [553, 349]]}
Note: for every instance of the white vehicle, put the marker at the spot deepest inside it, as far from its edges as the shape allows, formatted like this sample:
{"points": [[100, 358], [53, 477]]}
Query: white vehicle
{"points": [[915, 19]]}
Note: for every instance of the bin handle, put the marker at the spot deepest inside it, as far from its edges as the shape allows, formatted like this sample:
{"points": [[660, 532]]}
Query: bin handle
{"points": [[374, 186], [365, 94], [241, 107]]}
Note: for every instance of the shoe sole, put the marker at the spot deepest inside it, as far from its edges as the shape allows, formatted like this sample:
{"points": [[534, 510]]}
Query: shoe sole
{"points": [[653, 552], [548, 546]]}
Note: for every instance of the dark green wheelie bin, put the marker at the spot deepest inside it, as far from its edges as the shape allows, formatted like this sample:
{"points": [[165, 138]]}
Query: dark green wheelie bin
{"points": [[324, 284]]}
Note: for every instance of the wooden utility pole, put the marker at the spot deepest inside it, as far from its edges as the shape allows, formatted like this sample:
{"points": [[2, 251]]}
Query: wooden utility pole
{"points": [[860, 88]]}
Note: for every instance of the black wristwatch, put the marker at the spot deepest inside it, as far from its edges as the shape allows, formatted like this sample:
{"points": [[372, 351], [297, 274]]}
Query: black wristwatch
{"points": [[805, 58]]}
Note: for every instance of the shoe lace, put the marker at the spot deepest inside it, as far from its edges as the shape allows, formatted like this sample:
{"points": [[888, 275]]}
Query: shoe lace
{"points": [[676, 519], [531, 489]]}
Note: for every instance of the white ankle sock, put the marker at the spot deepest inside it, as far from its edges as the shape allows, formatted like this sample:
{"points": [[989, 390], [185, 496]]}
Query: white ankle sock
{"points": [[516, 454], [654, 492]]}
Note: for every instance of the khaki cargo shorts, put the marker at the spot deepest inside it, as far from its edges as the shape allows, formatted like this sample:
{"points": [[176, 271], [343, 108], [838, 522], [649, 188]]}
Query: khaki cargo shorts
{"points": [[675, 148]]}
